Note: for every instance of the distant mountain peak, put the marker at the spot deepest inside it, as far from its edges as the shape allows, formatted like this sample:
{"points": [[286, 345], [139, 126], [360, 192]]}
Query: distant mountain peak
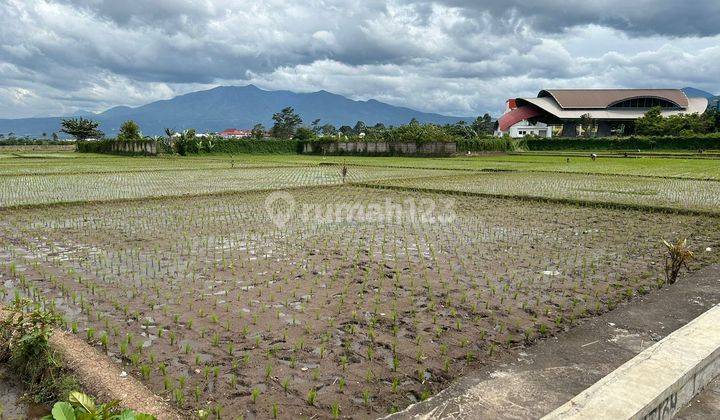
{"points": [[83, 113], [222, 107]]}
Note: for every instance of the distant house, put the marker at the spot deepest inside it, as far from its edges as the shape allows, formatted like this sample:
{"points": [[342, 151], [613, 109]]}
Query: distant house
{"points": [[234, 133]]}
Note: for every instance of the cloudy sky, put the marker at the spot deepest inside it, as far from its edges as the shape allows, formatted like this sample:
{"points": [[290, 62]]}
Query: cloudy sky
{"points": [[459, 57]]}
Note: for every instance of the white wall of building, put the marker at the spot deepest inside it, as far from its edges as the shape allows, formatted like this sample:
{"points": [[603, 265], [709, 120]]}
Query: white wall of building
{"points": [[525, 128]]}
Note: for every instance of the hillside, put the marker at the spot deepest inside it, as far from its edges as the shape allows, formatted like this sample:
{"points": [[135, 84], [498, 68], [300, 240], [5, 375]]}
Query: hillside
{"points": [[236, 106]]}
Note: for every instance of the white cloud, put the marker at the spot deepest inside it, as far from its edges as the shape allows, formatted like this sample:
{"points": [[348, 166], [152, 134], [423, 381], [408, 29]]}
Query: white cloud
{"points": [[457, 57]]}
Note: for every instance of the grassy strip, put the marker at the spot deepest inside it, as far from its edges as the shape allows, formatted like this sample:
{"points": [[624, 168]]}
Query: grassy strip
{"points": [[545, 171], [548, 164], [620, 154], [25, 347], [696, 142], [568, 201], [703, 169], [495, 170]]}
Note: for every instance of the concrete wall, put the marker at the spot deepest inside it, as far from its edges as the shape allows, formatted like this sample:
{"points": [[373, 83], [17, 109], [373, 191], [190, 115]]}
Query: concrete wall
{"points": [[381, 148], [134, 147], [656, 383]]}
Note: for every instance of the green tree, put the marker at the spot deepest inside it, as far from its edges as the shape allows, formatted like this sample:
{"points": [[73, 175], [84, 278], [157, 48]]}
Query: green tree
{"points": [[258, 131], [129, 131], [587, 124], [286, 122], [712, 116], [328, 130], [80, 128], [654, 124], [460, 129], [650, 124], [483, 126], [360, 127], [304, 133], [316, 128], [412, 133]]}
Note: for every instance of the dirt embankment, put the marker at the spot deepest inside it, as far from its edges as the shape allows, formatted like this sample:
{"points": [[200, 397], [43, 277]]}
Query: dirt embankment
{"points": [[103, 379]]}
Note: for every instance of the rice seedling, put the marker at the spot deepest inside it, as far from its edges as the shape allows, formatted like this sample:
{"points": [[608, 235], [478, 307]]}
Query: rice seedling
{"points": [[255, 393], [311, 396]]}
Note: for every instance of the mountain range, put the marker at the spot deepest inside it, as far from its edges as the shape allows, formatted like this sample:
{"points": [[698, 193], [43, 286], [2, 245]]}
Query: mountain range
{"points": [[234, 107]]}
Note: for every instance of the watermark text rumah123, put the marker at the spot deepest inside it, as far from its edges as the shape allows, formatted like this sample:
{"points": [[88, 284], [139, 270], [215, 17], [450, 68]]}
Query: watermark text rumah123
{"points": [[282, 207]]}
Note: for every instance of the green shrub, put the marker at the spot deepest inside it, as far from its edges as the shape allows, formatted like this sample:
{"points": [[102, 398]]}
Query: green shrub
{"points": [[101, 146], [698, 142], [491, 144], [197, 145], [81, 406], [410, 133], [24, 336]]}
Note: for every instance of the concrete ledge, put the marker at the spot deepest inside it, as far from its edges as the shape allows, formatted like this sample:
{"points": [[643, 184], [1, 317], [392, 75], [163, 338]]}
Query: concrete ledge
{"points": [[659, 381]]}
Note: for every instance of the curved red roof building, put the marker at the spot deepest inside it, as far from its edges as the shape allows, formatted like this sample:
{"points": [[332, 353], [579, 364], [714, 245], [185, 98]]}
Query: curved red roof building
{"points": [[612, 110]]}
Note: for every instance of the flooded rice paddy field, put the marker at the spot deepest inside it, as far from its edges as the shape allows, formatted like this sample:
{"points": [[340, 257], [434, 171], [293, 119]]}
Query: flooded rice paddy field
{"points": [[686, 194], [335, 310], [22, 190]]}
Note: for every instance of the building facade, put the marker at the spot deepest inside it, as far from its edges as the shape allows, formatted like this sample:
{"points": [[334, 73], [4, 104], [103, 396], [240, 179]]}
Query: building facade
{"points": [[612, 111]]}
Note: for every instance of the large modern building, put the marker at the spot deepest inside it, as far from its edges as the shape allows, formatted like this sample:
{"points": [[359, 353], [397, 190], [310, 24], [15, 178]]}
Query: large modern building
{"points": [[612, 110]]}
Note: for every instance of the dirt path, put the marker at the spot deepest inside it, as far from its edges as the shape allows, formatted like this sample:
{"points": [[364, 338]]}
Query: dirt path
{"points": [[98, 376], [104, 379], [534, 381]]}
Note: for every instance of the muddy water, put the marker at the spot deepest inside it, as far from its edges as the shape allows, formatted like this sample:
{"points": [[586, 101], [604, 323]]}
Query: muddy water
{"points": [[12, 405]]}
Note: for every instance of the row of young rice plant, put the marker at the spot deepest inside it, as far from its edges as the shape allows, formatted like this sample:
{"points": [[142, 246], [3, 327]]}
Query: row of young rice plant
{"points": [[47, 189], [685, 168], [681, 194], [25, 164], [213, 305]]}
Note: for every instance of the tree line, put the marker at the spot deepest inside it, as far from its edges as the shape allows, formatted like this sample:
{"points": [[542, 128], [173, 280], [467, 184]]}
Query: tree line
{"points": [[289, 125], [654, 124]]}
